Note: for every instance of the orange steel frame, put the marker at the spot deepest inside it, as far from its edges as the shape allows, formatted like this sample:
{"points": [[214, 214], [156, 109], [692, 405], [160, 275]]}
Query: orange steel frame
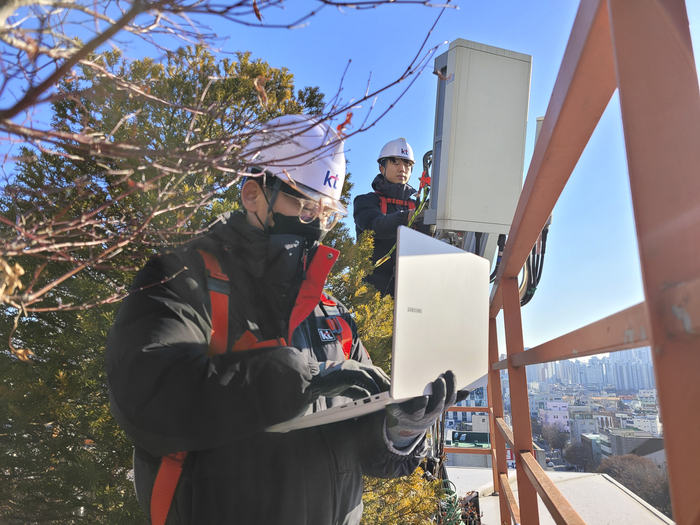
{"points": [[643, 49]]}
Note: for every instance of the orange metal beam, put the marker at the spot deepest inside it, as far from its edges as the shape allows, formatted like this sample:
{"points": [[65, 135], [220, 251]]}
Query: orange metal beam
{"points": [[522, 431], [510, 499], [505, 432], [683, 301], [583, 88], [626, 329], [660, 104], [499, 465], [468, 409], [561, 510], [467, 450], [500, 365]]}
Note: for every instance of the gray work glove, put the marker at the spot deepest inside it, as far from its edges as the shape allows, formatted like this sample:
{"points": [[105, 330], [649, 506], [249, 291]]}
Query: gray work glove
{"points": [[410, 419], [350, 379]]}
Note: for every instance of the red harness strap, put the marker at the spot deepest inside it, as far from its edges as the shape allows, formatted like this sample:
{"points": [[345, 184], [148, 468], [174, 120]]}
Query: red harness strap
{"points": [[165, 485], [384, 200], [217, 282], [171, 465]]}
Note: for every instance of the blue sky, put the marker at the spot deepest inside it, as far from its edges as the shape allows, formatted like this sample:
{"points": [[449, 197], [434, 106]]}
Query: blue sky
{"points": [[591, 268]]}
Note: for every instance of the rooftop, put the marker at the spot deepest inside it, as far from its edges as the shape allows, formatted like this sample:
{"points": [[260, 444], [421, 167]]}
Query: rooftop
{"points": [[597, 498]]}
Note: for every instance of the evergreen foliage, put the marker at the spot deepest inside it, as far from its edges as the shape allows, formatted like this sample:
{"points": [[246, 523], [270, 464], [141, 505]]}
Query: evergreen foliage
{"points": [[404, 501]]}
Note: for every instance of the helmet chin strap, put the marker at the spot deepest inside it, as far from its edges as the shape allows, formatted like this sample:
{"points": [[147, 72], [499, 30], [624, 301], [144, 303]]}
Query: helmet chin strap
{"points": [[270, 204]]}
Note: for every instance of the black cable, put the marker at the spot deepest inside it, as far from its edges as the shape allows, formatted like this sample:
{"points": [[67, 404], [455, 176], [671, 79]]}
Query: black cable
{"points": [[542, 250], [529, 287], [535, 264], [427, 161], [501, 247]]}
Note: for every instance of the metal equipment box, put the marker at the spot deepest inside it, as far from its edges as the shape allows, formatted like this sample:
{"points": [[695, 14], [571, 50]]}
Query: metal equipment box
{"points": [[479, 141]]}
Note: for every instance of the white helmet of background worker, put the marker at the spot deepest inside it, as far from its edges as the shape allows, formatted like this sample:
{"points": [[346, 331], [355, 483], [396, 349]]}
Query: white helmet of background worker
{"points": [[398, 148], [306, 154]]}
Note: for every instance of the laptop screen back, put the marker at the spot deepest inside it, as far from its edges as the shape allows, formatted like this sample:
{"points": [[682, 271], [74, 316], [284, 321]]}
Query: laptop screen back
{"points": [[440, 315]]}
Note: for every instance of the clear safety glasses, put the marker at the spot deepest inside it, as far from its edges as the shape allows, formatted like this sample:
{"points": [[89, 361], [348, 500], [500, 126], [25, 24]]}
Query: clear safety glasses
{"points": [[309, 210]]}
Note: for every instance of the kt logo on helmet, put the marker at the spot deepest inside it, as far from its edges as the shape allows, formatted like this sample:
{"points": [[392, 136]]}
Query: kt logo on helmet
{"points": [[404, 151], [331, 180]]}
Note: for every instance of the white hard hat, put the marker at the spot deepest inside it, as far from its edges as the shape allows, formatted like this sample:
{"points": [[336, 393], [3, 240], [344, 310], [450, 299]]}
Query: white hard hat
{"points": [[396, 148], [304, 153]]}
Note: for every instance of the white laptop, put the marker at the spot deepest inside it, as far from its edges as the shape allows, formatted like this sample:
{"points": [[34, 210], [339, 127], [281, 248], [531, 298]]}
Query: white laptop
{"points": [[440, 323]]}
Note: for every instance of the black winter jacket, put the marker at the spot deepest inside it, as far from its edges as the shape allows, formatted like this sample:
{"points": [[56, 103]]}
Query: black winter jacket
{"points": [[368, 216], [169, 396]]}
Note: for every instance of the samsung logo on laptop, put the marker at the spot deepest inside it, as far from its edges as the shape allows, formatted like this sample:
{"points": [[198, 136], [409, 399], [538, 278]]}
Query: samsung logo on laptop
{"points": [[415, 310]]}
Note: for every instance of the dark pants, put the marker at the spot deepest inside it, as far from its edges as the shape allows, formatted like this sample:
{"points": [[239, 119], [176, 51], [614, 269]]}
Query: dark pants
{"points": [[382, 282]]}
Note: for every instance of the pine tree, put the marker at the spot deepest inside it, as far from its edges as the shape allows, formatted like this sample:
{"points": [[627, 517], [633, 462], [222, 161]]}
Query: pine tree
{"points": [[64, 458]]}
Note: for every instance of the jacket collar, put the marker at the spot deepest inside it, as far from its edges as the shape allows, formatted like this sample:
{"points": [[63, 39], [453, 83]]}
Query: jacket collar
{"points": [[278, 256], [392, 191]]}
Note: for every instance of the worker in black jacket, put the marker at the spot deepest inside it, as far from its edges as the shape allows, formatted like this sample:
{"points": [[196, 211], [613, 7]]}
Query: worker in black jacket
{"points": [[196, 401], [390, 205]]}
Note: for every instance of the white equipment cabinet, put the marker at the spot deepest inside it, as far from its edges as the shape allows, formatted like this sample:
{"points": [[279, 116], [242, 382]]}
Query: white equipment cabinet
{"points": [[479, 143]]}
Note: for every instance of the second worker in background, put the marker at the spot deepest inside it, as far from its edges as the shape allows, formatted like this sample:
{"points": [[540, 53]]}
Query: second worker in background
{"points": [[390, 205]]}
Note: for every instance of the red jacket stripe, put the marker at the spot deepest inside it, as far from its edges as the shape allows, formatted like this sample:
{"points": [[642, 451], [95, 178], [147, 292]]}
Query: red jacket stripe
{"points": [[312, 288]]}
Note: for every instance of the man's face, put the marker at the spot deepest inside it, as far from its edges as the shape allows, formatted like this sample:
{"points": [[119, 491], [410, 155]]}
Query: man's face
{"points": [[397, 170]]}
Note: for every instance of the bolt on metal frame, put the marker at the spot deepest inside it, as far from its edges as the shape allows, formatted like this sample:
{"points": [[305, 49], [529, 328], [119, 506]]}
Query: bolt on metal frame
{"points": [[643, 49]]}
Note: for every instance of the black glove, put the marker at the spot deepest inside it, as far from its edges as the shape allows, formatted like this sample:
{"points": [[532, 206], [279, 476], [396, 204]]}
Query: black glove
{"points": [[350, 379], [408, 420]]}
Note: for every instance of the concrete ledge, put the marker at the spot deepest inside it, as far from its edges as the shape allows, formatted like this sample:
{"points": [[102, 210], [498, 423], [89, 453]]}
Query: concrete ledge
{"points": [[598, 498]]}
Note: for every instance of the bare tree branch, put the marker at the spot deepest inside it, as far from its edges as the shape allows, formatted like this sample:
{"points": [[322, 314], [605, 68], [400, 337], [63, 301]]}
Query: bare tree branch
{"points": [[128, 166]]}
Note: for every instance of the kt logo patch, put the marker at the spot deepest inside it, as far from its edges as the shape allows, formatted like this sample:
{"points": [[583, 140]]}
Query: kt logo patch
{"points": [[331, 180], [326, 334]]}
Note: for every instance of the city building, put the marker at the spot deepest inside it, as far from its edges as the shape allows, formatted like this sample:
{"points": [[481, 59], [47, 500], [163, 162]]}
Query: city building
{"points": [[650, 423], [652, 449], [555, 413], [538, 401], [582, 423], [622, 441], [605, 419], [592, 443], [477, 398]]}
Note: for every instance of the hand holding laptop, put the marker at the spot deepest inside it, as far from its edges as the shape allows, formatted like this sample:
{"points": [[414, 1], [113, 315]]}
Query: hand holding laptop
{"points": [[408, 420], [440, 325], [349, 379]]}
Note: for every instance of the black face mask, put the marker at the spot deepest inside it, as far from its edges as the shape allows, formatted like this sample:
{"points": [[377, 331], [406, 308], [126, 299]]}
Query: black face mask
{"points": [[312, 231]]}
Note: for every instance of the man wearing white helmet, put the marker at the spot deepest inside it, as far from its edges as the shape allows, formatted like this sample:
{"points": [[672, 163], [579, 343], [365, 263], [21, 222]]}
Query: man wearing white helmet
{"points": [[390, 205], [232, 334]]}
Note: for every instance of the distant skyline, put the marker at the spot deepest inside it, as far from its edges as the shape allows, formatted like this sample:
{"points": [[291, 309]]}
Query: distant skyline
{"points": [[627, 370]]}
